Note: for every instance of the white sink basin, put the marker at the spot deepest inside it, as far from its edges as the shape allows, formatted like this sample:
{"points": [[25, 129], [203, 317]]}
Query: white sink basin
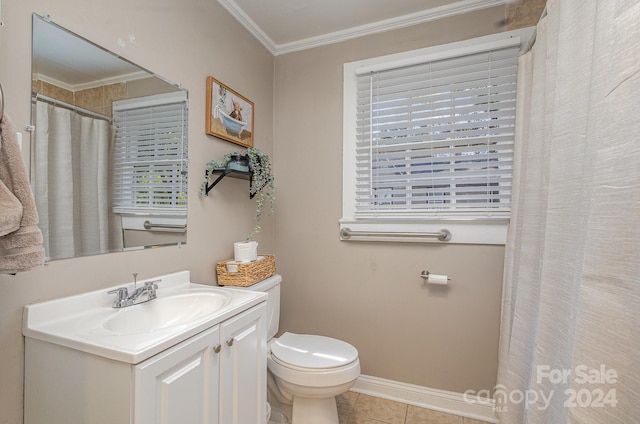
{"points": [[88, 322], [166, 312]]}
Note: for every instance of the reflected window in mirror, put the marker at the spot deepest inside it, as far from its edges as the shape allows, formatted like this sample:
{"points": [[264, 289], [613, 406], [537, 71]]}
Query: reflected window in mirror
{"points": [[150, 161], [77, 87]]}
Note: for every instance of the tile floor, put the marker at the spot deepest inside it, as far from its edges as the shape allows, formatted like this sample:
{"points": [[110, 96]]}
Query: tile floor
{"points": [[356, 408]]}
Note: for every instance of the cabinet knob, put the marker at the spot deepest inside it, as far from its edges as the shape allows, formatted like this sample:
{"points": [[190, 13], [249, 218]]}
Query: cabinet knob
{"points": [[230, 342], [217, 348]]}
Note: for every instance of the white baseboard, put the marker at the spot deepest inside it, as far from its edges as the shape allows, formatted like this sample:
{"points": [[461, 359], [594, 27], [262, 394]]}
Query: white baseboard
{"points": [[424, 397]]}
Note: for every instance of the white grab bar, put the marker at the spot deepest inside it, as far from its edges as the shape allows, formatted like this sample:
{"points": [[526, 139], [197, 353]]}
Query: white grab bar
{"points": [[165, 227], [346, 233]]}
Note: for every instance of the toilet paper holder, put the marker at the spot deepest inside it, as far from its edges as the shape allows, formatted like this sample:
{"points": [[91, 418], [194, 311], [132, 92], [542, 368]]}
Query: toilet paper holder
{"points": [[426, 275]]}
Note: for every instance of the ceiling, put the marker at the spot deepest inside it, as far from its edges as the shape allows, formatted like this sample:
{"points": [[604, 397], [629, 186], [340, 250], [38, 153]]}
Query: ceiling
{"points": [[69, 61], [284, 26]]}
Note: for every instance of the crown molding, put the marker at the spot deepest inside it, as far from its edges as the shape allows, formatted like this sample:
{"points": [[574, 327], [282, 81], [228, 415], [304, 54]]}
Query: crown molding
{"points": [[249, 24], [457, 8], [93, 84]]}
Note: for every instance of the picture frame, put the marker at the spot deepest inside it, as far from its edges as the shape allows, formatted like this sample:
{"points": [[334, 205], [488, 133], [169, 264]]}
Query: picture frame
{"points": [[224, 107]]}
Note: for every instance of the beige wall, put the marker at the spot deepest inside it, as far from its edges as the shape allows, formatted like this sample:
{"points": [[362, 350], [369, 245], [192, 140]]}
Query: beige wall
{"points": [[524, 13], [370, 294], [184, 42]]}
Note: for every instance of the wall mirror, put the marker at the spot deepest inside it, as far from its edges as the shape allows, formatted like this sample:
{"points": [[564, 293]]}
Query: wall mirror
{"points": [[108, 148]]}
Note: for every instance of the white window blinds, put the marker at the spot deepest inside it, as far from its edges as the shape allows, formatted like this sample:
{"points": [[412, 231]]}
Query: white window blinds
{"points": [[435, 139], [150, 157]]}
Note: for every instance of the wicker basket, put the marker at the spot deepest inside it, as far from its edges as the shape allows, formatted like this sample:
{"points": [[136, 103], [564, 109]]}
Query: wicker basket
{"points": [[248, 273]]}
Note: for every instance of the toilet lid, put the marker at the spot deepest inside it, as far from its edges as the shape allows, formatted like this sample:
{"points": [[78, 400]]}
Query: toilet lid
{"points": [[311, 351]]}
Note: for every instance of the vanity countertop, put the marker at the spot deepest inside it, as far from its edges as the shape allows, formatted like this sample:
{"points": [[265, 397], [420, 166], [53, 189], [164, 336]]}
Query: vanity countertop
{"points": [[84, 322]]}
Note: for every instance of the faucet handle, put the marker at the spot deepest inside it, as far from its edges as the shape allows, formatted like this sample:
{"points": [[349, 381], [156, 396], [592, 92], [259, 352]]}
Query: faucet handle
{"points": [[121, 293], [151, 288], [151, 284], [121, 296]]}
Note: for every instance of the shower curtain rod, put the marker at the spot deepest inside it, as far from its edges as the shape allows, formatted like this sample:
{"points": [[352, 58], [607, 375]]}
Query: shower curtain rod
{"points": [[75, 108]]}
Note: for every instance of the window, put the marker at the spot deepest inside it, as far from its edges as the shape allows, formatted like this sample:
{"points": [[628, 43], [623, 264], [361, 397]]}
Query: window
{"points": [[150, 155], [428, 140]]}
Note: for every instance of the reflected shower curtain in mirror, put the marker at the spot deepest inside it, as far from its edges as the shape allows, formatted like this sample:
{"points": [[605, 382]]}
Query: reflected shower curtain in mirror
{"points": [[71, 153], [570, 328]]}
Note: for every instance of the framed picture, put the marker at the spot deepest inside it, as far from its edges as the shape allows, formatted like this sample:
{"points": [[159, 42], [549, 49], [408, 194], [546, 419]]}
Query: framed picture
{"points": [[229, 114]]}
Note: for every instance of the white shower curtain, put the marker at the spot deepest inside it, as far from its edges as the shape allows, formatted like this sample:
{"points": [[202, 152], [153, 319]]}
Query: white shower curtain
{"points": [[72, 181], [570, 335]]}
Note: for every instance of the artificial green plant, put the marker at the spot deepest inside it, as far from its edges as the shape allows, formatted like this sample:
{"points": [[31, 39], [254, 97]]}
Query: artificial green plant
{"points": [[262, 187]]}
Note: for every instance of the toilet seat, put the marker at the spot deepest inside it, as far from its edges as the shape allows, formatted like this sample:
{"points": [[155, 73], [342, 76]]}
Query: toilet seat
{"points": [[305, 351], [315, 361]]}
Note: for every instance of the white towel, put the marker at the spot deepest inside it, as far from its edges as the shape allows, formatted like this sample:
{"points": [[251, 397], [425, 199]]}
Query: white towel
{"points": [[21, 246]]}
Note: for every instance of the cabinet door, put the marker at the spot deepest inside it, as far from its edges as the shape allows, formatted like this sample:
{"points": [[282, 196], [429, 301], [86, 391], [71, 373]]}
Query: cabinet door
{"points": [[243, 368], [180, 385]]}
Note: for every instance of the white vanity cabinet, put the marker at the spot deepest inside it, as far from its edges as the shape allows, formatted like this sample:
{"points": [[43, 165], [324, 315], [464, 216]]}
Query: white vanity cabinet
{"points": [[243, 372], [181, 384], [217, 376]]}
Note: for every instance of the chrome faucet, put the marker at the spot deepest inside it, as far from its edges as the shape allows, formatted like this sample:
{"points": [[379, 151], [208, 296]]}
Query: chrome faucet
{"points": [[124, 299]]}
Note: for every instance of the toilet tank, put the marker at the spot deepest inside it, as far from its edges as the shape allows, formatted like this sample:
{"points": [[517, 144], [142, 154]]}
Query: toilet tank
{"points": [[271, 286]]}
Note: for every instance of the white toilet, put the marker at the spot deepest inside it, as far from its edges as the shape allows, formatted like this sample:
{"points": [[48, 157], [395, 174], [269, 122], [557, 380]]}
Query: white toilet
{"points": [[309, 371]]}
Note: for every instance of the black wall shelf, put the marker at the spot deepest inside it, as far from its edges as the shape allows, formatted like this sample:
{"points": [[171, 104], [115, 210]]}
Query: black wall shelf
{"points": [[233, 173]]}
